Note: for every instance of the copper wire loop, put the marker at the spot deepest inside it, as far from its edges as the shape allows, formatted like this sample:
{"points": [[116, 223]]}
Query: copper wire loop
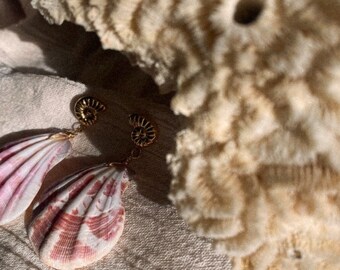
{"points": [[135, 154]]}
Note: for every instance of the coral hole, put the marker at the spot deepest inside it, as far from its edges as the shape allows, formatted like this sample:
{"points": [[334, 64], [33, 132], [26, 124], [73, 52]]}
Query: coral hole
{"points": [[248, 11], [295, 254]]}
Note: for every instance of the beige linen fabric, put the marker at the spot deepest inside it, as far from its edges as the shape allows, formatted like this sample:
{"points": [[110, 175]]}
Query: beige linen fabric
{"points": [[34, 97]]}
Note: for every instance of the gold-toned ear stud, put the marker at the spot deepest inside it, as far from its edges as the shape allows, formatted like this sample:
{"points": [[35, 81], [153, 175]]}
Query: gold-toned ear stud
{"points": [[86, 110], [144, 132]]}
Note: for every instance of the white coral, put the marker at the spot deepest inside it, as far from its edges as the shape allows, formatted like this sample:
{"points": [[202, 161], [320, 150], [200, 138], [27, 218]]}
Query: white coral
{"points": [[257, 168]]}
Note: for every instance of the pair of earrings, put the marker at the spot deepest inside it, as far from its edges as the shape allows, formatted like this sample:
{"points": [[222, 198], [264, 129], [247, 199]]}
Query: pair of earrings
{"points": [[79, 220]]}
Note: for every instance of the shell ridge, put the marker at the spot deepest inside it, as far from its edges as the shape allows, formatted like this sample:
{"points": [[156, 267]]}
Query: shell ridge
{"points": [[66, 211], [105, 221], [19, 145], [61, 152], [115, 205], [70, 235], [65, 183], [84, 192], [42, 210], [11, 185], [103, 212], [92, 205], [107, 218], [11, 165], [110, 198], [35, 176], [53, 194], [33, 159], [66, 206], [49, 155], [24, 183], [58, 192], [116, 177], [108, 231]]}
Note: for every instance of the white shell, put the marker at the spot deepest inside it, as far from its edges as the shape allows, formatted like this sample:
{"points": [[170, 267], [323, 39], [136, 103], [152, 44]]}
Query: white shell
{"points": [[23, 166], [80, 220]]}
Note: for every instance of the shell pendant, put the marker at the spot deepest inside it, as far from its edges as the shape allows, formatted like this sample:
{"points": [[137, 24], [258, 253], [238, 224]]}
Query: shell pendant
{"points": [[80, 220], [23, 166], [25, 163]]}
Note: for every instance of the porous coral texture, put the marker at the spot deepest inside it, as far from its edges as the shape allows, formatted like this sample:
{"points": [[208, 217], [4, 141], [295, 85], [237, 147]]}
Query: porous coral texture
{"points": [[257, 167]]}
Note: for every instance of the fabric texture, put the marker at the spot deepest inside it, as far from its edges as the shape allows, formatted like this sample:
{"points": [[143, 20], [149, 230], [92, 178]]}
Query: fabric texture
{"points": [[43, 70]]}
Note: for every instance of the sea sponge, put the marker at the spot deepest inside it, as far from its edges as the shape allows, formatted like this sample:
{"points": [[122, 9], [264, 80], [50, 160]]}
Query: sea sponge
{"points": [[257, 167]]}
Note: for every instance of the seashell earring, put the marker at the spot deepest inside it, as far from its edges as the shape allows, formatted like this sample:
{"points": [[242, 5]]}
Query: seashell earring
{"points": [[24, 163], [81, 219]]}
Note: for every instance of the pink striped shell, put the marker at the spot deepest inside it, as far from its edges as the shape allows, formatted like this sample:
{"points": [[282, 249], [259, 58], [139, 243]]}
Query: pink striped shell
{"points": [[23, 166], [80, 220]]}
